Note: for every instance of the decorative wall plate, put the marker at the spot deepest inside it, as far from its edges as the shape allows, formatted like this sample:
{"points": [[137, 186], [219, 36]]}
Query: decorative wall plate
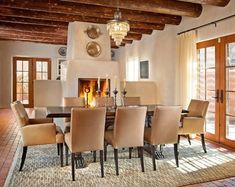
{"points": [[93, 32], [62, 51], [93, 49]]}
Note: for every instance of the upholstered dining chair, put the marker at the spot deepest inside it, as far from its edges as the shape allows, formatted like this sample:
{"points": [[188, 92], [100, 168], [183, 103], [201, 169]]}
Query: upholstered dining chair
{"points": [[72, 102], [131, 101], [39, 131], [86, 134], [194, 122], [164, 129], [128, 132], [104, 101]]}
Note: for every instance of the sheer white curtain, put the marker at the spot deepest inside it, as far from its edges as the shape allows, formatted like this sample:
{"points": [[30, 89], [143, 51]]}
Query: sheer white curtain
{"points": [[186, 68], [132, 69]]}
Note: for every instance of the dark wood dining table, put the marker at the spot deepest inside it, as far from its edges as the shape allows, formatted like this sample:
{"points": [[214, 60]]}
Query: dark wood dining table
{"points": [[65, 112]]}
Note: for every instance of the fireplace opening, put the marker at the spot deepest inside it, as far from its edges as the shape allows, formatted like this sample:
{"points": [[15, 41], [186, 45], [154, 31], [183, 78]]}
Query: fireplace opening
{"points": [[88, 87]]}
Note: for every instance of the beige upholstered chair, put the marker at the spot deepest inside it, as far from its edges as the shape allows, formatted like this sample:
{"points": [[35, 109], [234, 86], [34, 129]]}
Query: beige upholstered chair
{"points": [[194, 122], [131, 101], [36, 131], [128, 132], [86, 133], [164, 129], [72, 102], [104, 101]]}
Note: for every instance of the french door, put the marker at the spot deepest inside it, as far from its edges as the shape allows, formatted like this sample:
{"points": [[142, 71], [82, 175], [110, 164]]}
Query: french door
{"points": [[25, 71], [216, 72]]}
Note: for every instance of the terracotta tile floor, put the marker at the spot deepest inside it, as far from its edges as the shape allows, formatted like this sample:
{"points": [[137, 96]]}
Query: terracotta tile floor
{"points": [[10, 138]]}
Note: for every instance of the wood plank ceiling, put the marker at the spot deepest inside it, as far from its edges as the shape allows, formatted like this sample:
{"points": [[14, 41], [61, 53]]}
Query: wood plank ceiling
{"points": [[46, 21]]}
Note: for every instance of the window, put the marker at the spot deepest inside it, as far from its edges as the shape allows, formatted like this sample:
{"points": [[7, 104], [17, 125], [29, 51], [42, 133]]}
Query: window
{"points": [[132, 69]]}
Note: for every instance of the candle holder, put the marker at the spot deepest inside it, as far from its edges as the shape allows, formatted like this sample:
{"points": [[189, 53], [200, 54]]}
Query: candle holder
{"points": [[115, 97], [98, 92], [87, 91], [124, 93]]}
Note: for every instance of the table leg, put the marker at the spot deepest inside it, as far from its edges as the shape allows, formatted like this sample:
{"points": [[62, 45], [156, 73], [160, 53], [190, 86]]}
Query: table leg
{"points": [[79, 161]]}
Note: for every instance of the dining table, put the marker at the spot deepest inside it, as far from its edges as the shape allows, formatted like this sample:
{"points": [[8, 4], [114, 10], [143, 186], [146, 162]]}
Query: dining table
{"points": [[65, 112]]}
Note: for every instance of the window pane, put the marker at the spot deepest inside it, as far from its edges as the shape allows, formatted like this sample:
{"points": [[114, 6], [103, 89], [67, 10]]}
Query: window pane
{"points": [[19, 77], [25, 66], [230, 79], [210, 57], [19, 65], [19, 88], [230, 103], [38, 66], [44, 67], [210, 123], [25, 77], [25, 99], [202, 58], [38, 76], [230, 127], [201, 85], [210, 79], [25, 88], [44, 76], [19, 97], [230, 54]]}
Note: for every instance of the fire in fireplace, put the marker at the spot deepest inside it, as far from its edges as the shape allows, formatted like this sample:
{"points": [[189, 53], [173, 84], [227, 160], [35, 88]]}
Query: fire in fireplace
{"points": [[87, 87]]}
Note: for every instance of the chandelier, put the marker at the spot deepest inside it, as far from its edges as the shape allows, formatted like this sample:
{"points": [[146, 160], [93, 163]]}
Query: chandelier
{"points": [[117, 28]]}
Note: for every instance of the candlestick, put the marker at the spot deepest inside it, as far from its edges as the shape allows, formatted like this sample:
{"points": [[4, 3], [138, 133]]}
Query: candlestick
{"points": [[124, 84], [115, 82], [115, 97], [98, 82], [107, 82], [124, 93]]}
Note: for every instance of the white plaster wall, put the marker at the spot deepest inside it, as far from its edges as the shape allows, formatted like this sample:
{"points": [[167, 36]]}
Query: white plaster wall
{"points": [[9, 49], [160, 48], [78, 40]]}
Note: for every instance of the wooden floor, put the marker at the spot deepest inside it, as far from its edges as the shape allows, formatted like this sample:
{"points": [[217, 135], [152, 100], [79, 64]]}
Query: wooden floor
{"points": [[10, 138]]}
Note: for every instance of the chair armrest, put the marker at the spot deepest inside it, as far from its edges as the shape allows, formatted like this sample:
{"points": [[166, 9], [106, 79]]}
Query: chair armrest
{"points": [[39, 134], [192, 125], [40, 120]]}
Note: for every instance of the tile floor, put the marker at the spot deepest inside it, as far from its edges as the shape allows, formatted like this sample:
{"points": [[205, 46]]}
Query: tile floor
{"points": [[10, 138]]}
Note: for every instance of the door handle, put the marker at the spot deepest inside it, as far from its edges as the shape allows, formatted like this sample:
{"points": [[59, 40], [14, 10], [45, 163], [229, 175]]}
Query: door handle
{"points": [[221, 96], [217, 96]]}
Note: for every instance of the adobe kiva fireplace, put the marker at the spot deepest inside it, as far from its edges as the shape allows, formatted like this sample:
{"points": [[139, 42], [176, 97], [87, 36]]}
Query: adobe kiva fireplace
{"points": [[88, 87]]}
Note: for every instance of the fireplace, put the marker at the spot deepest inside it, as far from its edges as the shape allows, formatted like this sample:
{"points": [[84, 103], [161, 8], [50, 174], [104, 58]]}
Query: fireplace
{"points": [[87, 87]]}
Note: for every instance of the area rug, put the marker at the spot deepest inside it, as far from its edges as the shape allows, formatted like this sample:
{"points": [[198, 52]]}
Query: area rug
{"points": [[42, 168]]}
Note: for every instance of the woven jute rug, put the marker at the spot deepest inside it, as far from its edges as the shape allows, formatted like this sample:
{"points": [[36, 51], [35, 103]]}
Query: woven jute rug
{"points": [[42, 168]]}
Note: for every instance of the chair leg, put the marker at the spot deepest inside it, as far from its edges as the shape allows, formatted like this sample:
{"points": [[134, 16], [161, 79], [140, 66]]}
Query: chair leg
{"points": [[23, 157], [116, 160], [141, 154], [189, 141], [203, 143], [130, 150], [176, 154], [94, 156], [178, 139], [66, 154], [102, 162], [153, 157], [61, 155], [58, 149], [105, 151], [72, 164]]}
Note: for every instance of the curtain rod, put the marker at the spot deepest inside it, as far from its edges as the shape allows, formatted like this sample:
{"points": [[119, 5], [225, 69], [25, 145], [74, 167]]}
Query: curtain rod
{"points": [[213, 22]]}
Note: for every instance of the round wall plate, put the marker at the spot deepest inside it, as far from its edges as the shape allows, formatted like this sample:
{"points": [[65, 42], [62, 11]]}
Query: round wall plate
{"points": [[62, 51], [93, 32], [93, 49]]}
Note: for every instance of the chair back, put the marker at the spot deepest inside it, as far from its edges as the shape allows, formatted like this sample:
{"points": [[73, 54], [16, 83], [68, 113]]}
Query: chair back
{"points": [[20, 113], [198, 108], [165, 124], [87, 129], [73, 101], [104, 101], [129, 127], [131, 101]]}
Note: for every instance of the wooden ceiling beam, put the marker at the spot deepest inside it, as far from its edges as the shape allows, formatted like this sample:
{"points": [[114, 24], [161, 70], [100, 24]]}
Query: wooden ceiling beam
{"points": [[221, 3], [56, 6], [142, 31], [127, 41], [133, 36], [33, 28], [9, 19], [172, 7], [45, 16]]}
